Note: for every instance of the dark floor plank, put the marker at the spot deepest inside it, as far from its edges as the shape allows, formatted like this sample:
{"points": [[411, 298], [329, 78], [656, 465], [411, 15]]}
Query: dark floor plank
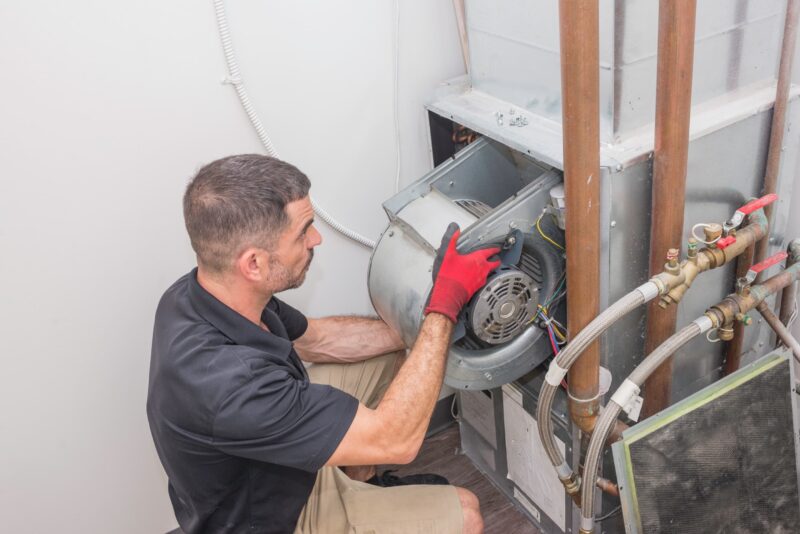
{"points": [[441, 454]]}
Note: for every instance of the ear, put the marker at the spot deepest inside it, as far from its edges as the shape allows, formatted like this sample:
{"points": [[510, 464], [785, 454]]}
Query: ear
{"points": [[253, 264]]}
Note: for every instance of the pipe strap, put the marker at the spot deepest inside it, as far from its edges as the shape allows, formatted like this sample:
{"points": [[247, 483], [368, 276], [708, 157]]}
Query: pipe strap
{"points": [[704, 322], [649, 291], [627, 391], [564, 471], [555, 374]]}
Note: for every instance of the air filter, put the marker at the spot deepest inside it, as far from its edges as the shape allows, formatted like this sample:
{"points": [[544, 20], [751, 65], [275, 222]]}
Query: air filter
{"points": [[722, 460]]}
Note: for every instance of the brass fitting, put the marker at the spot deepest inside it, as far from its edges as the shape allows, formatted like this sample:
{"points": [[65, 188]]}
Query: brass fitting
{"points": [[573, 485], [712, 232], [691, 250], [725, 332], [672, 261]]}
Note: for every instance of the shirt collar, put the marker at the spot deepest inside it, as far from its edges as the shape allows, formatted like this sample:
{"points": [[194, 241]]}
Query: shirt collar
{"points": [[235, 326]]}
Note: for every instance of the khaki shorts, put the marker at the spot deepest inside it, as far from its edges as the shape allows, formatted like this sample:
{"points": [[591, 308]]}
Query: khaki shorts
{"points": [[340, 505]]}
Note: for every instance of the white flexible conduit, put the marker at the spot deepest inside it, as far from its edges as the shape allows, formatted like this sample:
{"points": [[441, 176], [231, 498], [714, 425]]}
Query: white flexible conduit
{"points": [[235, 79]]}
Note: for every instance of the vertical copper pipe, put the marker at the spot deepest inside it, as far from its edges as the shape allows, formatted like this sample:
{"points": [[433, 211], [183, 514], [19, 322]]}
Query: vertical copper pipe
{"points": [[733, 354], [580, 88], [461, 22], [676, 22], [779, 116]]}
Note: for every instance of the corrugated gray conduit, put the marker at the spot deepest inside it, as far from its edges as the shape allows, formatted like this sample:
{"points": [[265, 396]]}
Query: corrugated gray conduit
{"points": [[561, 364], [629, 389], [235, 79]]}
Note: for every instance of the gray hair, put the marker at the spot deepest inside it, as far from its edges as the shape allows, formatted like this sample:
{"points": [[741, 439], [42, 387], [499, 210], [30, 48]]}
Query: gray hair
{"points": [[237, 202]]}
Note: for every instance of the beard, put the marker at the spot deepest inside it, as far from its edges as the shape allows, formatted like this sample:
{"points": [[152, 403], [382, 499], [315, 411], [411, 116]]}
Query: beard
{"points": [[283, 278]]}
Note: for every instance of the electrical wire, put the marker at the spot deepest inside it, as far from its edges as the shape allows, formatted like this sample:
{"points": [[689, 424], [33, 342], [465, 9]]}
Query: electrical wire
{"points": [[610, 514], [545, 236], [396, 103], [234, 78]]}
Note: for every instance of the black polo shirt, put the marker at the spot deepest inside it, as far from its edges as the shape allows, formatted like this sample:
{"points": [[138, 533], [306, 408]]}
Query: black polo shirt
{"points": [[239, 428]]}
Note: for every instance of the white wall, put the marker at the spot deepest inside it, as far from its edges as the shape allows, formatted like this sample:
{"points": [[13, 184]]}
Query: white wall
{"points": [[106, 109]]}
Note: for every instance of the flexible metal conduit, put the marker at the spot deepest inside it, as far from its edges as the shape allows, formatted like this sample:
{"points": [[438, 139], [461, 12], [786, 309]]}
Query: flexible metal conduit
{"points": [[715, 317], [629, 388], [235, 78], [559, 367], [670, 286]]}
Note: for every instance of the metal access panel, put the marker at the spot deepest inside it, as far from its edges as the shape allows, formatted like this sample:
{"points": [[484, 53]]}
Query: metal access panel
{"points": [[499, 433], [722, 460]]}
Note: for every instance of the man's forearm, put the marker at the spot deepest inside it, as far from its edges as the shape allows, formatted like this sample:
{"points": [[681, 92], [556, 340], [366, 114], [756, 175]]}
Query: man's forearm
{"points": [[346, 339], [408, 403]]}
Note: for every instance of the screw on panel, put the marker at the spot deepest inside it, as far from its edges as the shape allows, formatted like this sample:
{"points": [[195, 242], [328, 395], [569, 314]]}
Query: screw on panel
{"points": [[613, 224]]}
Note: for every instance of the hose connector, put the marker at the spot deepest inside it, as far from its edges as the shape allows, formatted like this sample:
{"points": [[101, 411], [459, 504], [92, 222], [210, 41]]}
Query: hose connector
{"points": [[572, 485]]}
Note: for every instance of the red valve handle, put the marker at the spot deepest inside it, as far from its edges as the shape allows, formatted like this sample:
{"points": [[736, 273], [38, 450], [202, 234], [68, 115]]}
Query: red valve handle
{"points": [[769, 262], [758, 203], [725, 242]]}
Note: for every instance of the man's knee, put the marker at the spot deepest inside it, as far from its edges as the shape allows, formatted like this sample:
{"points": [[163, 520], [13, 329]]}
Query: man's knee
{"points": [[471, 510]]}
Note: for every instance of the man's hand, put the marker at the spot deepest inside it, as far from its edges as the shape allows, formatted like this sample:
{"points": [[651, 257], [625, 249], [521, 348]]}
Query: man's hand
{"points": [[458, 276]]}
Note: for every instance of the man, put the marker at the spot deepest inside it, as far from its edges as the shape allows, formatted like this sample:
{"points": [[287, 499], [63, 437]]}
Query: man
{"points": [[249, 438]]}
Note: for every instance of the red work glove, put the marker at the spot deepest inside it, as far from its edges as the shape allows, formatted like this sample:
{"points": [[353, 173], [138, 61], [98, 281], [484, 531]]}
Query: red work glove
{"points": [[456, 277]]}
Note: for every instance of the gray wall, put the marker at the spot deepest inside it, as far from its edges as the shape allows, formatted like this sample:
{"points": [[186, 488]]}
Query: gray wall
{"points": [[107, 108]]}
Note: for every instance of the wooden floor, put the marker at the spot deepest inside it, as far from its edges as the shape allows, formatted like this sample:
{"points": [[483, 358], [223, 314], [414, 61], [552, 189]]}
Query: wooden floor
{"points": [[441, 454]]}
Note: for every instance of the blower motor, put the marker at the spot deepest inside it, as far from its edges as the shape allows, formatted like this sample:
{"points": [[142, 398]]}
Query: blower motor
{"points": [[497, 197]]}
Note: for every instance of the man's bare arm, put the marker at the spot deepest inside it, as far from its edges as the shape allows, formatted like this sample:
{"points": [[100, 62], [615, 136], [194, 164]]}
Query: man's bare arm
{"points": [[346, 339], [393, 432]]}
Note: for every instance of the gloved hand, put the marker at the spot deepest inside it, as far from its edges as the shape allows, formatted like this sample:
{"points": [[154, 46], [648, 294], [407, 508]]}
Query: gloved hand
{"points": [[456, 277]]}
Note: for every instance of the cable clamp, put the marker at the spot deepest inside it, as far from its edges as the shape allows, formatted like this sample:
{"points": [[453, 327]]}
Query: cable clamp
{"points": [[564, 471], [627, 397], [649, 291], [230, 80], [555, 374], [704, 322]]}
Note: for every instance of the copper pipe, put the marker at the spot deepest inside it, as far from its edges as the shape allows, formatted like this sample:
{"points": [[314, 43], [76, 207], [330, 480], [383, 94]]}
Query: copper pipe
{"points": [[733, 352], [779, 114], [461, 22], [789, 295], [608, 486], [780, 330], [580, 84], [676, 23]]}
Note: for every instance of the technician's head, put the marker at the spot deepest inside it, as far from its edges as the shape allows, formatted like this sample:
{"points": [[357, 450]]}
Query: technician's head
{"points": [[250, 216]]}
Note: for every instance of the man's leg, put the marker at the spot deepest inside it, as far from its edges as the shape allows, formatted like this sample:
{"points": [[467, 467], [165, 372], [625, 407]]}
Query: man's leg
{"points": [[339, 503], [367, 381]]}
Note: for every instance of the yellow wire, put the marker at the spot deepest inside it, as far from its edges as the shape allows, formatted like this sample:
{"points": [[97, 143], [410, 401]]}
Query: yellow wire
{"points": [[545, 237], [555, 328]]}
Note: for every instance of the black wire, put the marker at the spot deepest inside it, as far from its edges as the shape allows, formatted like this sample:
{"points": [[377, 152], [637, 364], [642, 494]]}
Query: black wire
{"points": [[612, 513]]}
